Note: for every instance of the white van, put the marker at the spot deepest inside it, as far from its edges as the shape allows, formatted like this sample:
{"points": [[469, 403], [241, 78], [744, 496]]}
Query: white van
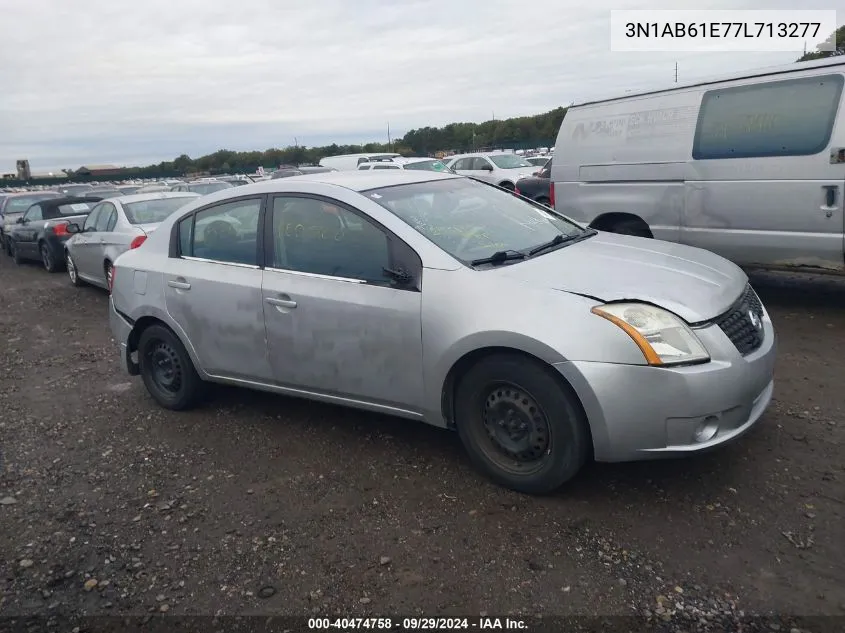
{"points": [[751, 167], [346, 162]]}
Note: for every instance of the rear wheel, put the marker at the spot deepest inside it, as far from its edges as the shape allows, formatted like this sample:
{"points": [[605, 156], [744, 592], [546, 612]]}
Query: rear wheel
{"points": [[167, 370], [507, 185], [72, 272], [47, 259], [520, 425], [15, 255]]}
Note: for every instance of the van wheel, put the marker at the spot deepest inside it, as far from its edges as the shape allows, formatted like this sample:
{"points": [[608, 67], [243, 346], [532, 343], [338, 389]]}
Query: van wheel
{"points": [[521, 426], [635, 228]]}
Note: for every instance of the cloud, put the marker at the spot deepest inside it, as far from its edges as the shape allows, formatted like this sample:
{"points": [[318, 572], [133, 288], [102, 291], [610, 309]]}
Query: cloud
{"points": [[135, 83]]}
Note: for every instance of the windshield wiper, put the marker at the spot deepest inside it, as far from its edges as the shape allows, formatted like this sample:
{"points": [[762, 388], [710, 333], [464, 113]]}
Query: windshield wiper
{"points": [[559, 239], [498, 257]]}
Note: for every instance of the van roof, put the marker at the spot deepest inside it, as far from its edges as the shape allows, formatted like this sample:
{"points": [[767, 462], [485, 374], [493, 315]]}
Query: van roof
{"points": [[836, 60]]}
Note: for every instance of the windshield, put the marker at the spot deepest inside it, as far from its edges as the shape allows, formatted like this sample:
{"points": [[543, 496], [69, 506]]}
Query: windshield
{"points": [[428, 165], [509, 161], [153, 211], [76, 208], [472, 220], [208, 187], [22, 203]]}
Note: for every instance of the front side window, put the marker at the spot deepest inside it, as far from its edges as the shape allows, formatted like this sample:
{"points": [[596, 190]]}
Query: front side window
{"points": [[780, 118], [33, 214], [104, 218], [319, 237], [510, 161], [479, 163], [91, 220], [462, 163], [227, 233], [472, 220]]}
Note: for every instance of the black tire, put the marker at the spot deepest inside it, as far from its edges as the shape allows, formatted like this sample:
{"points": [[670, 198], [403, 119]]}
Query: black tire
{"points": [[47, 259], [72, 271], [167, 370], [634, 228], [551, 428], [15, 255], [544, 201], [507, 185]]}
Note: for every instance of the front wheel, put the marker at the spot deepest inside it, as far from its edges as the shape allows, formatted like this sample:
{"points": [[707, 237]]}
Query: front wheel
{"points": [[16, 257], [167, 370], [521, 426], [72, 271]]}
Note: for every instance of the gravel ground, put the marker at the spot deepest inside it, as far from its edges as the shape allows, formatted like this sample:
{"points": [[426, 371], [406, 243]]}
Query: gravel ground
{"points": [[258, 504]]}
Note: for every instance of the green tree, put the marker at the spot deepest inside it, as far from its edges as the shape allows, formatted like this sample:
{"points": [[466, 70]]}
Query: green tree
{"points": [[835, 40]]}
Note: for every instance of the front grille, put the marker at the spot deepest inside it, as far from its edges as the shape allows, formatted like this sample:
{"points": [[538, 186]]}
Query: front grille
{"points": [[738, 324]]}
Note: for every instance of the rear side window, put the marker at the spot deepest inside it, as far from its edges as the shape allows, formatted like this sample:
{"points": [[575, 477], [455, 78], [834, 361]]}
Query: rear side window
{"points": [[781, 118], [225, 233], [186, 235]]}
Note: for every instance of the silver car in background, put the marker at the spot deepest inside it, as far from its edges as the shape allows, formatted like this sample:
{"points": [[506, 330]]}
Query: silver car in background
{"points": [[114, 226], [442, 299]]}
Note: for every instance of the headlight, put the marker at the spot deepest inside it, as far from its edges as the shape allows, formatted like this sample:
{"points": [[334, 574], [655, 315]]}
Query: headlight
{"points": [[663, 338]]}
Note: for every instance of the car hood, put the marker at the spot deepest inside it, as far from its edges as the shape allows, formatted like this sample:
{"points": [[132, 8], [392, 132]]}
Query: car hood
{"points": [[695, 284]]}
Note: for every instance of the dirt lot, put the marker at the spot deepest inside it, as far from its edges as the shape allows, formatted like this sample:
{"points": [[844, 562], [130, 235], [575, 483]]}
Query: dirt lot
{"points": [[262, 504]]}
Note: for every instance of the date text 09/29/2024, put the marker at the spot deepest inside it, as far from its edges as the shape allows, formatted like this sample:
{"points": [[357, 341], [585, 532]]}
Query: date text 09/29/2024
{"points": [[723, 30], [417, 624]]}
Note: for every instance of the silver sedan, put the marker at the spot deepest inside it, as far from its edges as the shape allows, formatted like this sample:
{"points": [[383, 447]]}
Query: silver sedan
{"points": [[115, 225], [443, 299]]}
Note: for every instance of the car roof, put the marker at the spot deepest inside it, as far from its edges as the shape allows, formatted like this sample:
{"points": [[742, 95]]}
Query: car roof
{"points": [[354, 180], [57, 202], [155, 195]]}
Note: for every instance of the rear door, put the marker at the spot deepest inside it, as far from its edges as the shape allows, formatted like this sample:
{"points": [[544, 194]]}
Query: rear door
{"points": [[766, 187], [93, 260], [213, 288], [81, 245]]}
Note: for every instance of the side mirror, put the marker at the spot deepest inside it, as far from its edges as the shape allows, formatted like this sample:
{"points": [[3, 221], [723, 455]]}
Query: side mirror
{"points": [[72, 228], [487, 167], [19, 220]]}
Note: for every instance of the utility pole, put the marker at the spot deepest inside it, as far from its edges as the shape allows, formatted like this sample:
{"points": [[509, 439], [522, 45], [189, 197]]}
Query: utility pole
{"points": [[389, 141], [676, 72]]}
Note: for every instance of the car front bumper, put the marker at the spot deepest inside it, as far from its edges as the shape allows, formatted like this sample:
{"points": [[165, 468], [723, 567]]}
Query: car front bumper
{"points": [[640, 412], [121, 329]]}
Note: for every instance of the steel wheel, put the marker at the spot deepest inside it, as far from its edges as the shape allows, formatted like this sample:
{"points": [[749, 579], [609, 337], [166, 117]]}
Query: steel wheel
{"points": [[517, 429], [166, 367]]}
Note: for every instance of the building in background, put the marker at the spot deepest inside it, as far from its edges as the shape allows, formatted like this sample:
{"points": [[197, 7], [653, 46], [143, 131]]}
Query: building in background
{"points": [[98, 170]]}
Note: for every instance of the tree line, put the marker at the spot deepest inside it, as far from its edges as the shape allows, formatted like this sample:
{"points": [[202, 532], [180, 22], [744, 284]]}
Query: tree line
{"points": [[528, 131]]}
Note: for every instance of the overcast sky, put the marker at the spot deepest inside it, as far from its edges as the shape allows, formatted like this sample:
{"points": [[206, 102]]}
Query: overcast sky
{"points": [[101, 81]]}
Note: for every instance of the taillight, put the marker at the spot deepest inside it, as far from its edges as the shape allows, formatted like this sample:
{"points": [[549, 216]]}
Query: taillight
{"points": [[60, 230], [137, 241], [552, 194], [112, 278]]}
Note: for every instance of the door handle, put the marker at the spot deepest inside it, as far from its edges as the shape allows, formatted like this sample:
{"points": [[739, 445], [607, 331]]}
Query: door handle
{"points": [[281, 303], [181, 285], [831, 193]]}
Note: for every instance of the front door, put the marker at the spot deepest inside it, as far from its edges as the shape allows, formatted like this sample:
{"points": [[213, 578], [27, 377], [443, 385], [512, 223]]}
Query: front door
{"points": [[26, 234], [82, 245], [336, 324], [213, 289], [763, 186]]}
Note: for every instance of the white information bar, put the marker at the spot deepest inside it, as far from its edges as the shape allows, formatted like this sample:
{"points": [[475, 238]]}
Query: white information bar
{"points": [[723, 30]]}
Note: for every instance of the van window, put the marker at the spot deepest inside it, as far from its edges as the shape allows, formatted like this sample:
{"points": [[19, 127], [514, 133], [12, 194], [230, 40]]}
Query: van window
{"points": [[782, 118]]}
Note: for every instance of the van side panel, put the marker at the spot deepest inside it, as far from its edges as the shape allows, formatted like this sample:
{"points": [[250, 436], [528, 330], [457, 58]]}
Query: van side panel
{"points": [[627, 157], [773, 211]]}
